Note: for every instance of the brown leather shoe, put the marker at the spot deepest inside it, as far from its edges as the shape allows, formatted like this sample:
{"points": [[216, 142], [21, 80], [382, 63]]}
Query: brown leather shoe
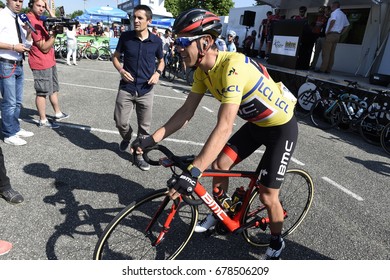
{"points": [[12, 196]]}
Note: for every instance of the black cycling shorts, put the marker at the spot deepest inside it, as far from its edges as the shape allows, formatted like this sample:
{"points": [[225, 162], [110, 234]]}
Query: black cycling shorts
{"points": [[279, 141]]}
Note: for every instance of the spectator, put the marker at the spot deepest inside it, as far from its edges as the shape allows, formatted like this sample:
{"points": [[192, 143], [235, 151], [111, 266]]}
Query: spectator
{"points": [[5, 246], [106, 32], [99, 29], [319, 32], [71, 42], [90, 30], [12, 48], [221, 44], [155, 30], [237, 42], [336, 26], [263, 31], [6, 191], [43, 65], [231, 46], [139, 74], [79, 30], [249, 43], [122, 29], [167, 44], [270, 33], [114, 30], [301, 15]]}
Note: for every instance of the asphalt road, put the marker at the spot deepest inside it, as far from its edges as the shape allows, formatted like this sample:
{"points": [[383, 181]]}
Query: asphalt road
{"points": [[75, 180]]}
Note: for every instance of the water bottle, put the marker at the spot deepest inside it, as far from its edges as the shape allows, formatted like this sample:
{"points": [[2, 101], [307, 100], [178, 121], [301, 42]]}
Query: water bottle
{"points": [[222, 197], [359, 112], [237, 198], [350, 110]]}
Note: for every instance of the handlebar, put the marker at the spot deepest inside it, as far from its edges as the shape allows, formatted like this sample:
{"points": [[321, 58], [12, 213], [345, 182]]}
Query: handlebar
{"points": [[171, 160]]}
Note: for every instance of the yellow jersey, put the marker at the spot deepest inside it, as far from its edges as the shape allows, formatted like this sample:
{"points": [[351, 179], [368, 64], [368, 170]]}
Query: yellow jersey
{"points": [[238, 79]]}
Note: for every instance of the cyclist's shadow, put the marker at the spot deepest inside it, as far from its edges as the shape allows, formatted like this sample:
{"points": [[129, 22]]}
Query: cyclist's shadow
{"points": [[79, 216]]}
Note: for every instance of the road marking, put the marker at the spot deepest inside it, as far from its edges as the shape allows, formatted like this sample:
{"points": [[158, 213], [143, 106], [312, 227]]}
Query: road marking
{"points": [[355, 196], [207, 109]]}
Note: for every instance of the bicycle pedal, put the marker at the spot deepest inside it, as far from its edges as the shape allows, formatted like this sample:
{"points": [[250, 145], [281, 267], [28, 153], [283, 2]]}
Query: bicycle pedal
{"points": [[210, 232]]}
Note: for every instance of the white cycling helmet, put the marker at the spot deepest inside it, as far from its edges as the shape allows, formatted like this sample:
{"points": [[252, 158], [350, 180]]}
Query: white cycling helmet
{"points": [[231, 32]]}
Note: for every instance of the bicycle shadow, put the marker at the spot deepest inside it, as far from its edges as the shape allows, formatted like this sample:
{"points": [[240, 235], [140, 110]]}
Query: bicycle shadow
{"points": [[234, 247], [79, 218]]}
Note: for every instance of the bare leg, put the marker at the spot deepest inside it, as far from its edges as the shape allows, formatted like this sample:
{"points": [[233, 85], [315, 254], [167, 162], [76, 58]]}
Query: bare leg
{"points": [[270, 198], [40, 102], [54, 102]]}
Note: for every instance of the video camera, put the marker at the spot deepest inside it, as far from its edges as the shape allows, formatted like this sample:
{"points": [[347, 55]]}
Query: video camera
{"points": [[57, 24]]}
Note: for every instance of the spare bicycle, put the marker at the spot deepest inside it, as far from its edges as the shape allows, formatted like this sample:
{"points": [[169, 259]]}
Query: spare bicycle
{"points": [[156, 227]]}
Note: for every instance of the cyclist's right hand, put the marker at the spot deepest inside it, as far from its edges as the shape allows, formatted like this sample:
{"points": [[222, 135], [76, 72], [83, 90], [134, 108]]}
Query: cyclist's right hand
{"points": [[143, 143]]}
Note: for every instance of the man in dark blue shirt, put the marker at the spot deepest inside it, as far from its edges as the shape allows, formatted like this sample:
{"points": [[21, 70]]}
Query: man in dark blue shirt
{"points": [[139, 73]]}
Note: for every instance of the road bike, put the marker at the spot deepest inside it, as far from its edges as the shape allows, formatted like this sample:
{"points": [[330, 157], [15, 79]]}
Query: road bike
{"points": [[156, 227], [175, 68], [385, 138], [87, 50], [104, 51]]}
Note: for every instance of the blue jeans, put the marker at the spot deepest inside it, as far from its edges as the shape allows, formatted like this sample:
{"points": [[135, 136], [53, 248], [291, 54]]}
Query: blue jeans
{"points": [[11, 87]]}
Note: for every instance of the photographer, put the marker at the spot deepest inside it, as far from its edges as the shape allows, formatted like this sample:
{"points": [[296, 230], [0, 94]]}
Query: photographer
{"points": [[43, 64]]}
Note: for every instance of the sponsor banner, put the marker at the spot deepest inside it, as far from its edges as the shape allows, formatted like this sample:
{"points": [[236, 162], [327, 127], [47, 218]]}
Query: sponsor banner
{"points": [[285, 45]]}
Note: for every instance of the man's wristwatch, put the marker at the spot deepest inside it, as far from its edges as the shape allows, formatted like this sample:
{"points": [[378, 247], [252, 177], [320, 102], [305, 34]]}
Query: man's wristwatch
{"points": [[194, 171], [159, 72]]}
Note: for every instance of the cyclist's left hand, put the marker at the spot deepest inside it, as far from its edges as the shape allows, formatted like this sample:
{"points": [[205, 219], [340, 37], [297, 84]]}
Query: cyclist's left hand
{"points": [[185, 185]]}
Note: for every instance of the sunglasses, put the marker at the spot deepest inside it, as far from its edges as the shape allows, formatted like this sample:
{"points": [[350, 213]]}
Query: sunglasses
{"points": [[184, 42]]}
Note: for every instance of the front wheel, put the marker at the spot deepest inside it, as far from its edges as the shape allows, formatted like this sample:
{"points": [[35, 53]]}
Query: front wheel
{"points": [[321, 113], [132, 235], [372, 124], [385, 138], [296, 196]]}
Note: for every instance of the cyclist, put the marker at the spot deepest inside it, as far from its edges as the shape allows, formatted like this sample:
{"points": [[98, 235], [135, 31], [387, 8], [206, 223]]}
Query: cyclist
{"points": [[244, 88]]}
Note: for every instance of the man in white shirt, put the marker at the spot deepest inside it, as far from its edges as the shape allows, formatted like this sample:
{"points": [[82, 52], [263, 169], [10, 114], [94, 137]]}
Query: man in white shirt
{"points": [[14, 41], [336, 26], [167, 44]]}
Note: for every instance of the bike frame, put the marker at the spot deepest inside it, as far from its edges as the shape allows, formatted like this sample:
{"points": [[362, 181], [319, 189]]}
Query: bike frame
{"points": [[233, 224]]}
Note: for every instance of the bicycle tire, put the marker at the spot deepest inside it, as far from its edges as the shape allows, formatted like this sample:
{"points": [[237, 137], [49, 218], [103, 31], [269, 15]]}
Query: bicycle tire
{"points": [[385, 138], [296, 198], [124, 236], [190, 77], [91, 53], [342, 118], [372, 124], [63, 52], [104, 53], [305, 102], [321, 114], [171, 72]]}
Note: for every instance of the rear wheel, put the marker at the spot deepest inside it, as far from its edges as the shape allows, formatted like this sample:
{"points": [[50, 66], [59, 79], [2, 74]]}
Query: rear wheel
{"points": [[104, 54], [91, 53], [127, 237], [296, 196]]}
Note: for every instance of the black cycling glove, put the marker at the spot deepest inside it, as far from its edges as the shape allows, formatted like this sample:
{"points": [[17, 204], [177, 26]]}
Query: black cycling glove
{"points": [[143, 143], [185, 183]]}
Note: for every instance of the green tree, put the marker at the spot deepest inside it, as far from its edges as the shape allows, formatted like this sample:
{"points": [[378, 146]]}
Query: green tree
{"points": [[2, 5], [76, 13], [219, 7]]}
